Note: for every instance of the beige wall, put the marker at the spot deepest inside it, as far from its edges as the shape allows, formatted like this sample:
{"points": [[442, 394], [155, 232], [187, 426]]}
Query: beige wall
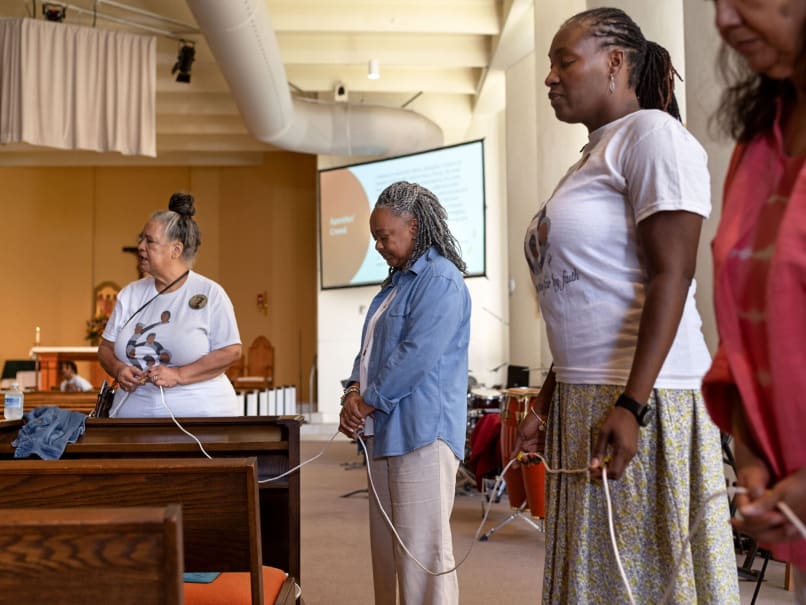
{"points": [[64, 229], [704, 90]]}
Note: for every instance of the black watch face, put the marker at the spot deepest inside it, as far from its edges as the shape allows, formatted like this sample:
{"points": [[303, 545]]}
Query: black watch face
{"points": [[643, 415]]}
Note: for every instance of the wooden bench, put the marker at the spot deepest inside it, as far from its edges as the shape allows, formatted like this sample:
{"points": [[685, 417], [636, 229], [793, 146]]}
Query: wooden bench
{"points": [[92, 556], [78, 402], [219, 498], [273, 440]]}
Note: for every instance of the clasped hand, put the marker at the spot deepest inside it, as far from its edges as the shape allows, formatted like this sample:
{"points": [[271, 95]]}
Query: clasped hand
{"points": [[353, 412], [131, 377], [759, 516]]}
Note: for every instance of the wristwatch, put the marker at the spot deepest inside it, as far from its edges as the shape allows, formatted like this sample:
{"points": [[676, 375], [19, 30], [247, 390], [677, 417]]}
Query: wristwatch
{"points": [[641, 412]]}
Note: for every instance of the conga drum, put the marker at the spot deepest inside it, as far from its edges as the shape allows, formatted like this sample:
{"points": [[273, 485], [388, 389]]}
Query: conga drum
{"points": [[533, 475], [518, 403]]}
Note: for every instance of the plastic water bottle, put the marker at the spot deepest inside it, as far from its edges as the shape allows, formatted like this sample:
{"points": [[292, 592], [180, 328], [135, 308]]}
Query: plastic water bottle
{"points": [[12, 408]]}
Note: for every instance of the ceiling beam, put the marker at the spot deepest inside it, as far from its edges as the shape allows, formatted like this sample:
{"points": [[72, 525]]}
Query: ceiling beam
{"points": [[386, 16]]}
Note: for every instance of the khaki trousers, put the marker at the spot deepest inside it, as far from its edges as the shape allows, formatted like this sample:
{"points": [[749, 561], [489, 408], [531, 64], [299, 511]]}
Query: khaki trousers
{"points": [[417, 491]]}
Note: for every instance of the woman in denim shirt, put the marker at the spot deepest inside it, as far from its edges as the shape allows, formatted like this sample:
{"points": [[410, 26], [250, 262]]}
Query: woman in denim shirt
{"points": [[408, 395]]}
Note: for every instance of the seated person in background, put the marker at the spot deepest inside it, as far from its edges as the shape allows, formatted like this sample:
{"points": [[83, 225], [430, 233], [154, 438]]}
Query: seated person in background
{"points": [[71, 381]]}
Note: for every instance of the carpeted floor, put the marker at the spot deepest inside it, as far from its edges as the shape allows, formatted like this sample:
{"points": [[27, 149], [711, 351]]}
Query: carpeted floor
{"points": [[336, 567]]}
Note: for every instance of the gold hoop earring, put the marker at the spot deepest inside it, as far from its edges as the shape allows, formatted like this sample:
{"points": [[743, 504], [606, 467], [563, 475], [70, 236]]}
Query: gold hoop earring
{"points": [[612, 86]]}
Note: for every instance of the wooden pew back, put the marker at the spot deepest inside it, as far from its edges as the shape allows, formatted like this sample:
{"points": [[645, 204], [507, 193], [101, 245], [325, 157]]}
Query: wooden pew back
{"points": [[78, 402], [93, 556], [273, 440], [219, 499]]}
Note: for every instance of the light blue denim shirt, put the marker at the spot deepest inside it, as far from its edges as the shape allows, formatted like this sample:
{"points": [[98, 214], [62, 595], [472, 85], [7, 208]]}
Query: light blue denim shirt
{"points": [[418, 363]]}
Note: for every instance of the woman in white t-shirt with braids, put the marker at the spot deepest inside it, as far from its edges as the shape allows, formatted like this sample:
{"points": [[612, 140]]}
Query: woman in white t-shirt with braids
{"points": [[612, 254]]}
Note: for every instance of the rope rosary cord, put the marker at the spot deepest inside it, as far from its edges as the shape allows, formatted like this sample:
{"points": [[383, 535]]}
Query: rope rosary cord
{"points": [[299, 466], [113, 411], [729, 492], [612, 529], [793, 518], [181, 428], [192, 436], [369, 475], [204, 451], [397, 535]]}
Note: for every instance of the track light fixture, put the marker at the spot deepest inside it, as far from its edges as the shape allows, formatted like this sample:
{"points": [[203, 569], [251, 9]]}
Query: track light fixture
{"points": [[184, 61], [54, 12]]}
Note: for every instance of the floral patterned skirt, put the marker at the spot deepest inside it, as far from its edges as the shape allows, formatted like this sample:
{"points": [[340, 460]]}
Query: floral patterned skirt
{"points": [[677, 467]]}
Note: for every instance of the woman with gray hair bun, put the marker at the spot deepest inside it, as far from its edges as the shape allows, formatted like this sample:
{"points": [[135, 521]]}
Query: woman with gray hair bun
{"points": [[172, 330], [407, 395]]}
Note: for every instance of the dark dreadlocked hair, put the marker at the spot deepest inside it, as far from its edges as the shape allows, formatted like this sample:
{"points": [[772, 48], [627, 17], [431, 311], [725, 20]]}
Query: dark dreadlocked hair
{"points": [[651, 71], [411, 199]]}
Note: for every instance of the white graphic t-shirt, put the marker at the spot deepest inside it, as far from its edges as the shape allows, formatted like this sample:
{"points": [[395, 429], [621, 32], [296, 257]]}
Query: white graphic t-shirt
{"points": [[176, 329], [583, 254]]}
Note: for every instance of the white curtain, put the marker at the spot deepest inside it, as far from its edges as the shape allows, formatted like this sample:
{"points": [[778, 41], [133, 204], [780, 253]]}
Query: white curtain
{"points": [[74, 87]]}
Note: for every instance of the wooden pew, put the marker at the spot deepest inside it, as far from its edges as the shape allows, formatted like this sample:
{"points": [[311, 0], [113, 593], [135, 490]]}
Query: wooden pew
{"points": [[78, 402], [92, 556], [219, 498], [274, 440]]}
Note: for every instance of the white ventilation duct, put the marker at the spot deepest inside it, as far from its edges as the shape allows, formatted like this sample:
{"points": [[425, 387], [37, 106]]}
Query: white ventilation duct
{"points": [[241, 38]]}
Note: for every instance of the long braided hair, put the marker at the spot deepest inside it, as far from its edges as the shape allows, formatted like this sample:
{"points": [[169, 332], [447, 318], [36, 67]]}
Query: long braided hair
{"points": [[411, 199], [650, 65]]}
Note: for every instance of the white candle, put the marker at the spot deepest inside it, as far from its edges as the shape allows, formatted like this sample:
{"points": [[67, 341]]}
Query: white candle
{"points": [[36, 338]]}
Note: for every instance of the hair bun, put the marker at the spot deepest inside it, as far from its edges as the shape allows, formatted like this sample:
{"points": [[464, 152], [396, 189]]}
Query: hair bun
{"points": [[182, 204]]}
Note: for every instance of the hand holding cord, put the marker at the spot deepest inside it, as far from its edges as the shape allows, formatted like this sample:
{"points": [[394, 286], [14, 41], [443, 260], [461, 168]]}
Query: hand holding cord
{"points": [[130, 377], [353, 411], [164, 376], [527, 438], [619, 434]]}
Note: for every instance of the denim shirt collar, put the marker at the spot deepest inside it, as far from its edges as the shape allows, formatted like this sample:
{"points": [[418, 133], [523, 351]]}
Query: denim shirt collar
{"points": [[416, 267]]}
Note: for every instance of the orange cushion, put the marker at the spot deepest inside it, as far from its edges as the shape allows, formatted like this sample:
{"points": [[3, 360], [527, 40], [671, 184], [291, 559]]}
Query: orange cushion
{"points": [[233, 588]]}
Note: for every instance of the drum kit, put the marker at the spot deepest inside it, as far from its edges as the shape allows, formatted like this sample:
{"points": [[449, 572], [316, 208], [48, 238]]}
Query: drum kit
{"points": [[481, 401], [525, 486]]}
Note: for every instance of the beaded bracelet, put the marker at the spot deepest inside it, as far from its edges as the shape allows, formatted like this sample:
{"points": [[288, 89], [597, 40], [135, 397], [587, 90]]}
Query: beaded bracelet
{"points": [[348, 390], [539, 419]]}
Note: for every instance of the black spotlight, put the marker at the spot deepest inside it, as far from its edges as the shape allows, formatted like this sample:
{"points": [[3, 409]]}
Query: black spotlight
{"points": [[184, 60], [54, 12]]}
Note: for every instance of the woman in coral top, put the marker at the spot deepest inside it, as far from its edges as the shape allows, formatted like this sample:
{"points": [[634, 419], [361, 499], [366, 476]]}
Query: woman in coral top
{"points": [[756, 387]]}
